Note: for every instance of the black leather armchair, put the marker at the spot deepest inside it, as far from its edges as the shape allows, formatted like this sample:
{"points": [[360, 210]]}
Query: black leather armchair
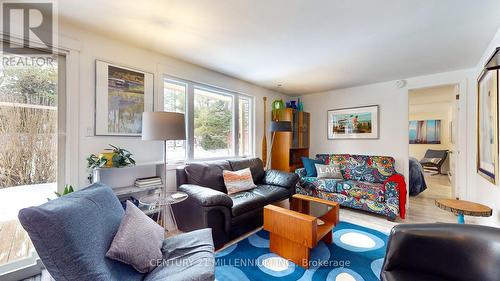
{"points": [[209, 205], [452, 252]]}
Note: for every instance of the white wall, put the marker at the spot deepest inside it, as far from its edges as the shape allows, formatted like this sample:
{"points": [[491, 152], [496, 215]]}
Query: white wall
{"points": [[393, 108], [480, 190], [93, 46]]}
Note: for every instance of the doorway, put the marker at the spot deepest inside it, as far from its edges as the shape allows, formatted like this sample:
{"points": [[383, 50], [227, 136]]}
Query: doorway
{"points": [[433, 130]]}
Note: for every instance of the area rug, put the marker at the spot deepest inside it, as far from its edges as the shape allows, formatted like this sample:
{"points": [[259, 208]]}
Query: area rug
{"points": [[356, 254]]}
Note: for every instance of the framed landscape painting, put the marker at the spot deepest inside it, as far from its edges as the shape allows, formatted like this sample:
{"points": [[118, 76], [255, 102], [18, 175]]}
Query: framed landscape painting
{"points": [[425, 132], [122, 95], [353, 123], [487, 125]]}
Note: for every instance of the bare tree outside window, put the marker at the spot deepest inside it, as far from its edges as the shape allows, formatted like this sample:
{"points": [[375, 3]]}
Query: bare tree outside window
{"points": [[28, 124]]}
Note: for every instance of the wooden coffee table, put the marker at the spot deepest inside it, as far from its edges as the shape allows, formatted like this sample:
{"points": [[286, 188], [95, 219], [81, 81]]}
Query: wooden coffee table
{"points": [[293, 233], [462, 207]]}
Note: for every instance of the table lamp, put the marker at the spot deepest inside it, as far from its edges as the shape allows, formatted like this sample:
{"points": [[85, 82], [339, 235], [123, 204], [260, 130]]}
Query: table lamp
{"points": [[275, 127]]}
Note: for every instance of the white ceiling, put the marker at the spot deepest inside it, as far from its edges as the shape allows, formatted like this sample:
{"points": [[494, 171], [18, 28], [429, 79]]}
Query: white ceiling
{"points": [[306, 45]]}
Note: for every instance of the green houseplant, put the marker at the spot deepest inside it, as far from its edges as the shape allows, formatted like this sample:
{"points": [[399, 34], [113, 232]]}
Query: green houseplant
{"points": [[116, 158]]}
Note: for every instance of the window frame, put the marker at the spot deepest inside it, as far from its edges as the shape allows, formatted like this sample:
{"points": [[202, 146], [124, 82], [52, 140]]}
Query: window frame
{"points": [[191, 86]]}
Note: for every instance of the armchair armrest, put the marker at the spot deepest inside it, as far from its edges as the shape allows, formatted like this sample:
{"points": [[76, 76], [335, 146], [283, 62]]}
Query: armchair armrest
{"points": [[205, 196], [275, 177]]}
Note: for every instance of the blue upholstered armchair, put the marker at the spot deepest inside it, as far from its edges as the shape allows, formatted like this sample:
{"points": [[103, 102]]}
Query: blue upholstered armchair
{"points": [[73, 233]]}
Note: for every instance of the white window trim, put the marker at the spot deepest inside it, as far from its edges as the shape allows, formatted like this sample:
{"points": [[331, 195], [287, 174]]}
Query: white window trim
{"points": [[190, 87]]}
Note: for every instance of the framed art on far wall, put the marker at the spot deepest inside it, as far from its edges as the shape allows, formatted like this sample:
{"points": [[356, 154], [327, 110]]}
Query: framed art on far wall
{"points": [[487, 125], [353, 123], [425, 131], [122, 95]]}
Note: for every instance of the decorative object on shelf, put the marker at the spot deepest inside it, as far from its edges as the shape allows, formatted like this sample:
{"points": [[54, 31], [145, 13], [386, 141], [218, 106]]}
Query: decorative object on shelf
{"points": [[122, 95], [288, 149], [163, 126], [121, 157], [353, 123], [95, 162], [277, 127], [114, 157], [463, 208], [264, 136], [300, 105], [147, 182], [278, 106], [487, 125], [108, 157], [425, 131], [291, 104]]}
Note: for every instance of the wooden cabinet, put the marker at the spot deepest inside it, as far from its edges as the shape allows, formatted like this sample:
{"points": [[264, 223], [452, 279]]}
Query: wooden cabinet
{"points": [[289, 147]]}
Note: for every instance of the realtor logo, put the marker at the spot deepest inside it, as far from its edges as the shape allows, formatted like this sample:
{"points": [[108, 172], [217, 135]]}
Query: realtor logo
{"points": [[30, 22]]}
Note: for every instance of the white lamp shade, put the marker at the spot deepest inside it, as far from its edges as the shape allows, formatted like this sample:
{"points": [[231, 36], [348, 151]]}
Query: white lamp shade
{"points": [[161, 125]]}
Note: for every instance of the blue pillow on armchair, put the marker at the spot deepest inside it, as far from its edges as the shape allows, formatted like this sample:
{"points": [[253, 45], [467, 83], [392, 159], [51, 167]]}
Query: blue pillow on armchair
{"points": [[309, 165]]}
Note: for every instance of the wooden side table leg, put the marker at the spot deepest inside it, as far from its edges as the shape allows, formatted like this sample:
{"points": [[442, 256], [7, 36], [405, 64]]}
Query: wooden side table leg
{"points": [[290, 250]]}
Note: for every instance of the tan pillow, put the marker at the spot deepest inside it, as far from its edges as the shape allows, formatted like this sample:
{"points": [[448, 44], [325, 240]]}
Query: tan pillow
{"points": [[237, 181], [138, 241], [331, 171]]}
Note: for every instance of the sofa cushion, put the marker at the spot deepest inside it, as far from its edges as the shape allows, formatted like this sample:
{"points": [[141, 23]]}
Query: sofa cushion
{"points": [[383, 168], [246, 201], [362, 190], [271, 193], [331, 171], [207, 174], [326, 185], [309, 165], [73, 233], [327, 159], [138, 241], [238, 181], [255, 164], [187, 256]]}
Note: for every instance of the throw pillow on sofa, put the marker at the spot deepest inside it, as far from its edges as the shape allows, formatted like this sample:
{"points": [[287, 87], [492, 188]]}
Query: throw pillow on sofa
{"points": [[328, 171], [237, 181], [138, 241], [309, 165]]}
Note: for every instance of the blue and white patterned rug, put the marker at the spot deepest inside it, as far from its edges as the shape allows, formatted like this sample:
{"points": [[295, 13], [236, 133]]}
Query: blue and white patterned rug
{"points": [[356, 254]]}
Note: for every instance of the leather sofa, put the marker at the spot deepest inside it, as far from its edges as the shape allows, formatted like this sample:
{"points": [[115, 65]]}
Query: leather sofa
{"points": [[229, 216], [441, 252]]}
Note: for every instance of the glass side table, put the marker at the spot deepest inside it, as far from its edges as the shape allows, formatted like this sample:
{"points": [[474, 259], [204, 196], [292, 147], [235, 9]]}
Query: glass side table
{"points": [[164, 201]]}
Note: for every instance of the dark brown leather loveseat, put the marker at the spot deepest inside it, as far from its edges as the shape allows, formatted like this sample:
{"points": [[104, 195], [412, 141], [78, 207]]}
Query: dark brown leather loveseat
{"points": [[209, 205]]}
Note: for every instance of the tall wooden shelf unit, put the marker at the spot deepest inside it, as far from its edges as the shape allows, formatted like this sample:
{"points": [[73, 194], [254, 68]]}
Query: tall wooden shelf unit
{"points": [[289, 147]]}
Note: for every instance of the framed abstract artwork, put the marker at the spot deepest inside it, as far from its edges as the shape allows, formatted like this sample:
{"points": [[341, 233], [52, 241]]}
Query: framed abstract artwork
{"points": [[487, 125], [425, 132], [353, 123], [122, 95]]}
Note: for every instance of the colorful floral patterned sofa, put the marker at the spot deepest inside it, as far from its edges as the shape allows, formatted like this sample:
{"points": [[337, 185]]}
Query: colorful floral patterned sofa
{"points": [[370, 183]]}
